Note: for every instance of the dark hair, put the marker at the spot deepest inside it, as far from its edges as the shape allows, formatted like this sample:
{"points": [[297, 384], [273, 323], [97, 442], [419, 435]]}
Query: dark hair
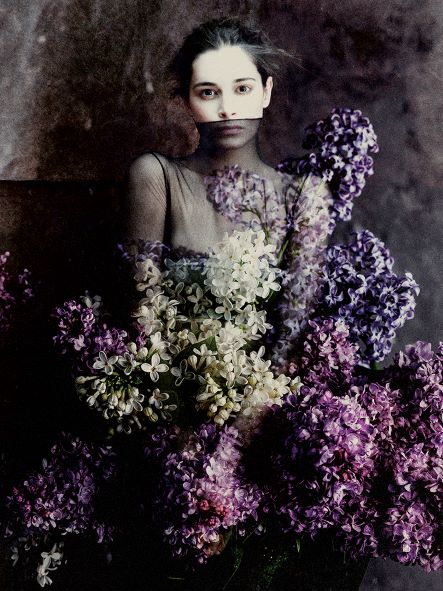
{"points": [[216, 33]]}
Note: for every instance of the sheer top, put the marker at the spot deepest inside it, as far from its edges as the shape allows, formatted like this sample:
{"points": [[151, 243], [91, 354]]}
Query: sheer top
{"points": [[188, 220]]}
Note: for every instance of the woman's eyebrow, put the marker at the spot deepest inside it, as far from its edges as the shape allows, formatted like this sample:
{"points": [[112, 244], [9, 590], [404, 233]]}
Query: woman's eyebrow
{"points": [[204, 84], [215, 84]]}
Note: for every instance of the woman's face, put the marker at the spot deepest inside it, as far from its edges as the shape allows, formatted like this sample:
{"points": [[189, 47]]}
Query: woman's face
{"points": [[225, 85]]}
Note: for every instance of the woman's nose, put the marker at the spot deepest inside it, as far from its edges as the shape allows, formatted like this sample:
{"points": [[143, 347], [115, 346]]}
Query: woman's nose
{"points": [[226, 109]]}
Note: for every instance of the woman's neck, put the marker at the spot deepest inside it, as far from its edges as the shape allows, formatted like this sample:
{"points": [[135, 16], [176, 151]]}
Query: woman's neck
{"points": [[205, 160]]}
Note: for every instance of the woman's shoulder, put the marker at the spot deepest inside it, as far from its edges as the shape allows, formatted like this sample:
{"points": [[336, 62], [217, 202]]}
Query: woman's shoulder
{"points": [[148, 165]]}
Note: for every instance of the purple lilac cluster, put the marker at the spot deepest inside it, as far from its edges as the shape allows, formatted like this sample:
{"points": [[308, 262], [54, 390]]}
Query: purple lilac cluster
{"points": [[361, 288], [328, 444], [399, 513], [203, 475], [82, 334], [15, 290], [327, 359], [340, 145], [135, 251], [359, 455], [328, 455], [414, 526], [248, 200], [61, 497], [303, 263]]}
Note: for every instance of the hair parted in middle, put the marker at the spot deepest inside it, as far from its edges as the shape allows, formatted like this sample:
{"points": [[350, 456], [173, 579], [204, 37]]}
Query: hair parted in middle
{"points": [[216, 33]]}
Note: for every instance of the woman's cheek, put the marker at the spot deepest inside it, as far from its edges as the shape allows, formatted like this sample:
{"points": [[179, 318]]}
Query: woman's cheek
{"points": [[204, 112]]}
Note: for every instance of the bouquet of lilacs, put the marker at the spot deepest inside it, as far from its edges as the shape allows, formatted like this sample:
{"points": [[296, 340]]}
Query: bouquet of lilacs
{"points": [[266, 345], [57, 502]]}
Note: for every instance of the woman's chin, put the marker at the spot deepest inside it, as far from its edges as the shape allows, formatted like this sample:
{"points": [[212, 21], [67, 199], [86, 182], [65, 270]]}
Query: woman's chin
{"points": [[230, 142]]}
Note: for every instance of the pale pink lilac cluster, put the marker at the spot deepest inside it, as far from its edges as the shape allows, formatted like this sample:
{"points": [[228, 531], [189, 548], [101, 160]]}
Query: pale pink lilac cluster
{"points": [[250, 201], [204, 477], [15, 290], [361, 288], [59, 499], [303, 264], [340, 146]]}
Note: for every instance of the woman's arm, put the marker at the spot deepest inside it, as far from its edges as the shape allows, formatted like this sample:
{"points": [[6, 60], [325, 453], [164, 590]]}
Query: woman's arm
{"points": [[146, 200]]}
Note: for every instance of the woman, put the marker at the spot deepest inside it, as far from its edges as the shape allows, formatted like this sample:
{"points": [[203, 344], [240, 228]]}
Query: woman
{"points": [[224, 72]]}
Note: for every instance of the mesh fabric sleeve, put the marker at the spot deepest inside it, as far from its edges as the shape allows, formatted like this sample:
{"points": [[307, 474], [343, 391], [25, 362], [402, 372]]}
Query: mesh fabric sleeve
{"points": [[145, 199]]}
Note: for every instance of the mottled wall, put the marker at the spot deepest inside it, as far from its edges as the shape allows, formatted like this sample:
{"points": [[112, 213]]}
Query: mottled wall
{"points": [[82, 91]]}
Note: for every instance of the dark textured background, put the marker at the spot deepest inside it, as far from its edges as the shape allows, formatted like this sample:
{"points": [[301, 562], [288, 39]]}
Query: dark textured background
{"points": [[82, 92]]}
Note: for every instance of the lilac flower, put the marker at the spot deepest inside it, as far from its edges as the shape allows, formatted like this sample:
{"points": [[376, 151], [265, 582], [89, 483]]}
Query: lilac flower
{"points": [[61, 498], [340, 144], [82, 335], [328, 455], [249, 200], [327, 358], [400, 508], [303, 265], [15, 290], [211, 496], [362, 289], [134, 251]]}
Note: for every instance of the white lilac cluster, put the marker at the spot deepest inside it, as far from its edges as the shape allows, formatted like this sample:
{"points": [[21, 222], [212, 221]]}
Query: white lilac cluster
{"points": [[51, 561], [197, 322]]}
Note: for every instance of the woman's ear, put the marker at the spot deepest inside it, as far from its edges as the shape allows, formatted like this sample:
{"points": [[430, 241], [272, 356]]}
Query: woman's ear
{"points": [[267, 91]]}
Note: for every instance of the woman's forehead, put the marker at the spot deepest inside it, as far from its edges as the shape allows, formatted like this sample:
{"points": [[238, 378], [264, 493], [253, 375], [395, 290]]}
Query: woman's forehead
{"points": [[225, 64]]}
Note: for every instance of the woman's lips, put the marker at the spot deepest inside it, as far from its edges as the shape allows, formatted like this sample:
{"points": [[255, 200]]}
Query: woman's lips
{"points": [[229, 130]]}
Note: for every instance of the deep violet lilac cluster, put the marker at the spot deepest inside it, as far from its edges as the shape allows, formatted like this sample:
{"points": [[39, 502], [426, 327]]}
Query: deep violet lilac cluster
{"points": [[361, 288], [399, 513], [60, 498], [82, 334], [327, 441], [15, 290], [327, 457], [203, 475], [340, 145]]}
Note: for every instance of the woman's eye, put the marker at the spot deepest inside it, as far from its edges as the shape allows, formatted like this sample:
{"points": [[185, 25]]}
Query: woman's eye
{"points": [[207, 93], [243, 89]]}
